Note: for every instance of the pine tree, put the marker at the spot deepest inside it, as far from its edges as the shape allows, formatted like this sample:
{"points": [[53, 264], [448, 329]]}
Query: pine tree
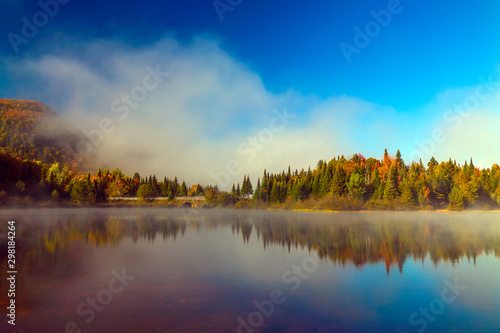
{"points": [[376, 183], [339, 182], [244, 187], [249, 190], [175, 188], [264, 191], [390, 190], [283, 193], [275, 193], [399, 160], [316, 185], [257, 193], [164, 190], [183, 189], [325, 181], [431, 165]]}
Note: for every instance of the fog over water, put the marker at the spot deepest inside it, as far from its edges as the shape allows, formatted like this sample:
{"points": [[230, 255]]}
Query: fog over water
{"points": [[201, 270]]}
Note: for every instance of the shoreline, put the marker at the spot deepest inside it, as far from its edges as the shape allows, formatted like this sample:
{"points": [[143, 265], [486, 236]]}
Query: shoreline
{"points": [[118, 205]]}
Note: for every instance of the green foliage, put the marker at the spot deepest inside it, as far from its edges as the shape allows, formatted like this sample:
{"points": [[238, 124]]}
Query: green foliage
{"points": [[407, 194], [338, 184], [225, 199], [456, 199], [390, 189], [246, 188], [146, 191], [81, 190], [356, 186], [275, 193], [182, 191]]}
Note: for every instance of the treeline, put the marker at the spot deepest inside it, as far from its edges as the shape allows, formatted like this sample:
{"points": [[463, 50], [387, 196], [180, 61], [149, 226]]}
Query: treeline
{"points": [[356, 182], [36, 181], [341, 184]]}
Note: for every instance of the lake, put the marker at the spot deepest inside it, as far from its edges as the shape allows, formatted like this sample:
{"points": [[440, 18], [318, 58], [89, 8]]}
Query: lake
{"points": [[173, 270]]}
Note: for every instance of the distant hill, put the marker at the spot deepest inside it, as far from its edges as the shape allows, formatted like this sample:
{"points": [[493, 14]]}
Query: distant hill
{"points": [[30, 130]]}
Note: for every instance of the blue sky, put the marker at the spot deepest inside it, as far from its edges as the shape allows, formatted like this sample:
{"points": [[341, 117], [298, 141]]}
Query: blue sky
{"points": [[393, 93]]}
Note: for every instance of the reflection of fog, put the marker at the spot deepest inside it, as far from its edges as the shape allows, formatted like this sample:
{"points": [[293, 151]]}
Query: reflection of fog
{"points": [[44, 237], [357, 238]]}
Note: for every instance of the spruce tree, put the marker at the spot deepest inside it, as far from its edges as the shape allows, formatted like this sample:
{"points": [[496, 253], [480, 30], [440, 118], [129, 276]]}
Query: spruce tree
{"points": [[257, 194], [390, 190], [275, 193], [244, 187], [399, 160], [249, 190], [316, 185], [339, 182]]}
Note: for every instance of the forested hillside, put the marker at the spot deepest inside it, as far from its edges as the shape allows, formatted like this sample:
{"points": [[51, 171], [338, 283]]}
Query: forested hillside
{"points": [[30, 130]]}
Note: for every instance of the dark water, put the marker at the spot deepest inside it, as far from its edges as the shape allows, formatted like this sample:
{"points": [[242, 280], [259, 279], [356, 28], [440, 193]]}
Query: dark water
{"points": [[152, 270]]}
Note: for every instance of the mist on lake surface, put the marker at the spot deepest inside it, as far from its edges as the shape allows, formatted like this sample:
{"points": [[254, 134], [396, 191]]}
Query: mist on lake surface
{"points": [[170, 270]]}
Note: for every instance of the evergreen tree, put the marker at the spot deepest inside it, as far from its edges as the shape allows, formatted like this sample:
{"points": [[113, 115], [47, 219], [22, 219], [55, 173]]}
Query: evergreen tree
{"points": [[275, 193], [339, 182], [316, 185], [407, 194], [356, 186], [244, 187], [399, 160], [431, 165], [376, 184], [175, 188], [264, 191], [257, 194], [249, 190], [164, 190], [390, 190], [182, 191], [325, 181]]}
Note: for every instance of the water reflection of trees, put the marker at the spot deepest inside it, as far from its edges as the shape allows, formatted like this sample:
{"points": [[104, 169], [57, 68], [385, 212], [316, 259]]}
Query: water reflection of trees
{"points": [[357, 239], [50, 243], [392, 239]]}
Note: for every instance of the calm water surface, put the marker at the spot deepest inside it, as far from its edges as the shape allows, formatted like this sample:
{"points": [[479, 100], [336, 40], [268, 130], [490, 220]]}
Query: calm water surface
{"points": [[155, 270]]}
